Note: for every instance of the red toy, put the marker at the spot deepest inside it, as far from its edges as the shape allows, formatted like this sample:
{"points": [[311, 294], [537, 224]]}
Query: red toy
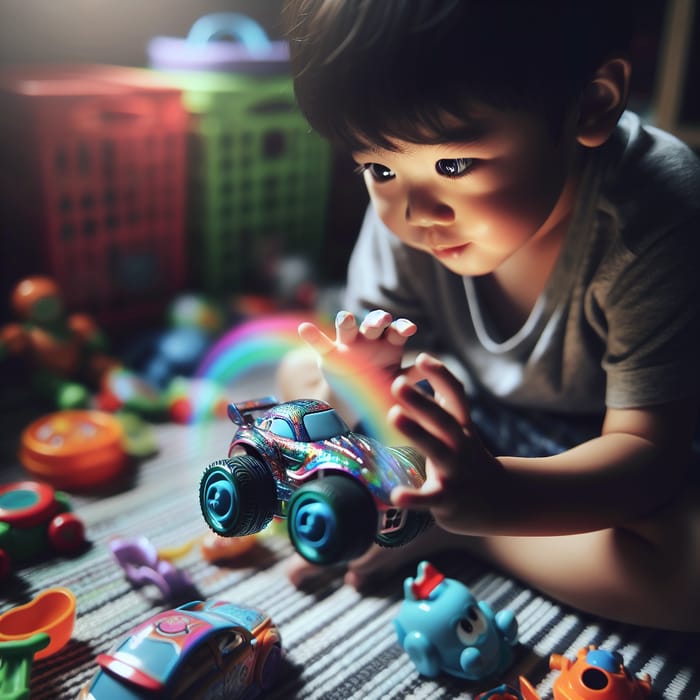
{"points": [[35, 519]]}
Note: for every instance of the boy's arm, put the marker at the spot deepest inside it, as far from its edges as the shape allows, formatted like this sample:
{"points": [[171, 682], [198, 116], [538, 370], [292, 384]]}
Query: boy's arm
{"points": [[634, 467]]}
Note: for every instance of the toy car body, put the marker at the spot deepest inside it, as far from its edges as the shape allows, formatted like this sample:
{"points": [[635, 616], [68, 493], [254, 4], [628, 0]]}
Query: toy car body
{"points": [[300, 461], [35, 519], [211, 649], [442, 627], [597, 674]]}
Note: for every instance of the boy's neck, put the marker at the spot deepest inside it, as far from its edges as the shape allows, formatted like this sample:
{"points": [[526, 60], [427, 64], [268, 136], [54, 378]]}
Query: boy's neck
{"points": [[509, 293]]}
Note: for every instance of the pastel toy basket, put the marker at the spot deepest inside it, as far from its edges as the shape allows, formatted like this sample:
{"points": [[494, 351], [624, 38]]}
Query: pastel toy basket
{"points": [[92, 186], [258, 178]]}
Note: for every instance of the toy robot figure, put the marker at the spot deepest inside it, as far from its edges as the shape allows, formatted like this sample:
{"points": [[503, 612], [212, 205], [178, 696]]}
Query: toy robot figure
{"points": [[442, 627], [64, 352]]}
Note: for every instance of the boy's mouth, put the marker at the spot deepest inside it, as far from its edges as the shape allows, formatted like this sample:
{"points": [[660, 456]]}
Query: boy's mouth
{"points": [[449, 251]]}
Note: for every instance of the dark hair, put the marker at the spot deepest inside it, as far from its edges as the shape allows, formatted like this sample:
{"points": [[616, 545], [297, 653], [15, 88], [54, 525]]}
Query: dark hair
{"points": [[369, 71]]}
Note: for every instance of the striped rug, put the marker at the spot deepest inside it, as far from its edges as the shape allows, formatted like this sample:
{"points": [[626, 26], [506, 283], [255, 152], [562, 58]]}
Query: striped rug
{"points": [[339, 644]]}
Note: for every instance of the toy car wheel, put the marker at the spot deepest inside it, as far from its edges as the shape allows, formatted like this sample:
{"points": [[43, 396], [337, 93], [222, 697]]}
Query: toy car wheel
{"points": [[331, 519], [415, 524], [237, 496], [269, 666], [67, 534]]}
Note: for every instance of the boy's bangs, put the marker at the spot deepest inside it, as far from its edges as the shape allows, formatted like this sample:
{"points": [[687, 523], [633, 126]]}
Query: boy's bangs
{"points": [[380, 120]]}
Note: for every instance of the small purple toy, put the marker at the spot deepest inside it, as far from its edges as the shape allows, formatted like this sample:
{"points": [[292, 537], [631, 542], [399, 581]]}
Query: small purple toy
{"points": [[442, 627], [142, 565]]}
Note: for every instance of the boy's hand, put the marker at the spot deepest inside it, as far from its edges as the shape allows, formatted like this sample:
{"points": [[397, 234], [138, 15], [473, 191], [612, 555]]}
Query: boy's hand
{"points": [[461, 474], [378, 342]]}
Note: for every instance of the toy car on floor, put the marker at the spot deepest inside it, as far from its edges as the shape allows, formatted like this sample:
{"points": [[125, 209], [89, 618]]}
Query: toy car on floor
{"points": [[211, 649], [300, 461], [35, 519]]}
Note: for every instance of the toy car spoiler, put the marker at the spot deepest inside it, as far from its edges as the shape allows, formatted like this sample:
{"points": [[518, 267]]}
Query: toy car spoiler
{"points": [[240, 413]]}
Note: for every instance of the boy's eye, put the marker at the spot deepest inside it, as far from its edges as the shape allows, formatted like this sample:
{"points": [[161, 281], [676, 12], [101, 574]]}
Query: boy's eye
{"points": [[379, 172], [453, 167]]}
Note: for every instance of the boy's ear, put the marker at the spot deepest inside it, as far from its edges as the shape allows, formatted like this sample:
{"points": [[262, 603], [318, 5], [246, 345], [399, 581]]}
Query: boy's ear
{"points": [[603, 101]]}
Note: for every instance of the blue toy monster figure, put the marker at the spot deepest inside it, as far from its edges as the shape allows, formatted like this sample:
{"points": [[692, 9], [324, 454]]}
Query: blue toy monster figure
{"points": [[443, 627]]}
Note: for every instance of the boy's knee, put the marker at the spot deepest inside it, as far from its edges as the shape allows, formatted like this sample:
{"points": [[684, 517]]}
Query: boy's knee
{"points": [[299, 376]]}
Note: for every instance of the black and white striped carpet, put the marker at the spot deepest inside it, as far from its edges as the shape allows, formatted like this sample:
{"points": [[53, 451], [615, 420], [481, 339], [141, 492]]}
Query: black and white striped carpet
{"points": [[339, 644]]}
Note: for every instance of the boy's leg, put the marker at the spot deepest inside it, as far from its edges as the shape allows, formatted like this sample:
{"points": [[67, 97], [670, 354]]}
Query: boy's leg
{"points": [[299, 377], [645, 574]]}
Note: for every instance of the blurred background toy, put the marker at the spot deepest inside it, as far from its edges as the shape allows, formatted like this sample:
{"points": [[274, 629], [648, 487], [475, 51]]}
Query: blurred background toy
{"points": [[143, 565], [194, 321], [443, 627], [35, 519], [65, 353], [77, 449]]}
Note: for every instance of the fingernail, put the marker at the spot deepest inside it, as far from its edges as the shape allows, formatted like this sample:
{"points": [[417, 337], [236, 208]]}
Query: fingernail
{"points": [[402, 324], [341, 317]]}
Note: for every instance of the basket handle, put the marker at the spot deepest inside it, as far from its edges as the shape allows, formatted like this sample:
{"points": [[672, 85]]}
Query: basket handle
{"points": [[221, 24]]}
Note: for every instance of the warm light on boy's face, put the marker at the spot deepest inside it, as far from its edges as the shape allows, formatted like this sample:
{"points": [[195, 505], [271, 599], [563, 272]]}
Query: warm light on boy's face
{"points": [[473, 203]]}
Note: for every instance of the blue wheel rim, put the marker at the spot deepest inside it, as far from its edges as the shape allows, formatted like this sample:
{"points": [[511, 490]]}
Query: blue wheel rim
{"points": [[220, 500], [313, 528]]}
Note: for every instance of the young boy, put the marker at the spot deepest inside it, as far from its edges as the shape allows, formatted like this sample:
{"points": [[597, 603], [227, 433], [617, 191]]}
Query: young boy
{"points": [[525, 225]]}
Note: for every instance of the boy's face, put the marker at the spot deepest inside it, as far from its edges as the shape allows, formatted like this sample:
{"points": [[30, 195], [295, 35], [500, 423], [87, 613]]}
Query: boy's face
{"points": [[476, 201]]}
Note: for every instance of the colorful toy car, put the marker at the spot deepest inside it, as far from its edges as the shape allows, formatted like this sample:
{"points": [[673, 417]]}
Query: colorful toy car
{"points": [[597, 674], [35, 519], [442, 627], [300, 461], [207, 649]]}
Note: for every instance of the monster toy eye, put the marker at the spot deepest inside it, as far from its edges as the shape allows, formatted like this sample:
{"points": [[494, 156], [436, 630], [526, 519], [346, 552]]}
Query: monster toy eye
{"points": [[470, 626], [453, 167]]}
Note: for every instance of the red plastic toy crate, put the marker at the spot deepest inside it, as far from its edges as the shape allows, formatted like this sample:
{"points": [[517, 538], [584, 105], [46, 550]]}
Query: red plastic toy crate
{"points": [[92, 186]]}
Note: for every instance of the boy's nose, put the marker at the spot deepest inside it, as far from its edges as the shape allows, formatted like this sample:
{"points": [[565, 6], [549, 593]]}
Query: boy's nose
{"points": [[425, 210]]}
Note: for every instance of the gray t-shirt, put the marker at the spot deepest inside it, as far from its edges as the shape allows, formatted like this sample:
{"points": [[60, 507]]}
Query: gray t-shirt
{"points": [[618, 322]]}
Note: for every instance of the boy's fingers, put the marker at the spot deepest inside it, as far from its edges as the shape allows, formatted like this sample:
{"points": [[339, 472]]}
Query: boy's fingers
{"points": [[375, 323], [421, 418], [316, 338], [345, 328], [400, 331], [449, 390], [415, 499], [440, 448]]}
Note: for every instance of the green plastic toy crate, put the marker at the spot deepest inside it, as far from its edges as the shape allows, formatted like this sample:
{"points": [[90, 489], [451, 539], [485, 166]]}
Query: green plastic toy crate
{"points": [[258, 178]]}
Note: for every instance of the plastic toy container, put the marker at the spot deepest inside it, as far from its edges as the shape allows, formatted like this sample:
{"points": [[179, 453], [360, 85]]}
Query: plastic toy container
{"points": [[92, 184], [258, 178]]}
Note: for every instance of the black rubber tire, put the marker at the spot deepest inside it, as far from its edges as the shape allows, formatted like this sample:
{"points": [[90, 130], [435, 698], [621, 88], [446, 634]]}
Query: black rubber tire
{"points": [[332, 519], [237, 496]]}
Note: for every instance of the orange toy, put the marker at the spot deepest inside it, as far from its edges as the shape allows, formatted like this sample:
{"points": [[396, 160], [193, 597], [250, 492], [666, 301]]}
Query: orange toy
{"points": [[52, 612], [595, 674], [75, 449]]}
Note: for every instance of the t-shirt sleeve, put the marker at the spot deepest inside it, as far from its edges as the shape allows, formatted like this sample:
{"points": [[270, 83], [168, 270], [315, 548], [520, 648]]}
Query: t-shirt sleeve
{"points": [[651, 301]]}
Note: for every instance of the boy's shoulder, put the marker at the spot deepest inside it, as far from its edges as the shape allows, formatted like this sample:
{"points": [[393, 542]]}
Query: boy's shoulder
{"points": [[651, 166], [650, 182]]}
